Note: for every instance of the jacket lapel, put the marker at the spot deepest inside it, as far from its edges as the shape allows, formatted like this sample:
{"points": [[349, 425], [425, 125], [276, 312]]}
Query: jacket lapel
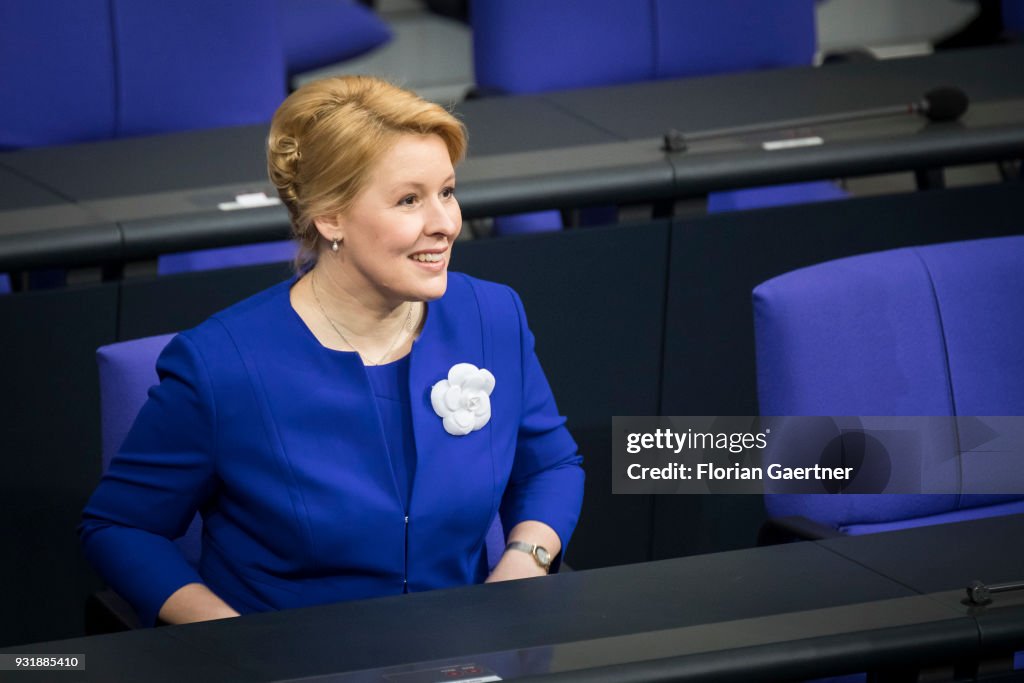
{"points": [[450, 469]]}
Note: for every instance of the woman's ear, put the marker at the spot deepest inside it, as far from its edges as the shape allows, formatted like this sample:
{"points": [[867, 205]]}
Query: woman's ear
{"points": [[331, 228]]}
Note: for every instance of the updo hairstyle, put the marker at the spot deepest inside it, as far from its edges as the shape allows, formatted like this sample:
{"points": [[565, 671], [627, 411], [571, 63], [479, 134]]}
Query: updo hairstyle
{"points": [[326, 136]]}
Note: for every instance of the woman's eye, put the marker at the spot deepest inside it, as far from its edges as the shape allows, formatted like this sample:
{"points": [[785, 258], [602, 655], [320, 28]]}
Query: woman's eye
{"points": [[448, 192], [408, 200]]}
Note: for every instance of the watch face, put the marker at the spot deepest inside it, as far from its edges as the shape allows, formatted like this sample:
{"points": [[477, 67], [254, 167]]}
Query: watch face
{"points": [[543, 556]]}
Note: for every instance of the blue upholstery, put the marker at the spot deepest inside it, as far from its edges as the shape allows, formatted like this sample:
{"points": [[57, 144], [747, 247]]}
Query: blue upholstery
{"points": [[226, 257], [127, 371], [696, 38], [929, 330], [531, 46], [100, 69], [774, 195], [525, 223], [5, 283], [528, 46], [57, 65], [191, 64], [318, 33], [1013, 18]]}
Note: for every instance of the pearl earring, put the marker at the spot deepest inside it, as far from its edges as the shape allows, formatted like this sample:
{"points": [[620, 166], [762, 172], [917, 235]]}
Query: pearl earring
{"points": [[334, 244]]}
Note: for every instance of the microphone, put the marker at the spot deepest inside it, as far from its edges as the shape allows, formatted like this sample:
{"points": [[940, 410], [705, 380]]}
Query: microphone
{"points": [[980, 594], [942, 104], [939, 105]]}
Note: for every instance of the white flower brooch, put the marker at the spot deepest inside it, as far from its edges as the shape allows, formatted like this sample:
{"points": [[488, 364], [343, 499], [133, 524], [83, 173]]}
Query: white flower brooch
{"points": [[463, 400]]}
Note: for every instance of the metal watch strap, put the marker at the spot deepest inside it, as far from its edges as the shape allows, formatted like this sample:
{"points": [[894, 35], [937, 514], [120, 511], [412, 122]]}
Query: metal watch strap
{"points": [[531, 550]]}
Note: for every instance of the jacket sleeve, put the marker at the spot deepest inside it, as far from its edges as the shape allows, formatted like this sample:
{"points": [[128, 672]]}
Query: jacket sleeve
{"points": [[546, 483], [154, 486]]}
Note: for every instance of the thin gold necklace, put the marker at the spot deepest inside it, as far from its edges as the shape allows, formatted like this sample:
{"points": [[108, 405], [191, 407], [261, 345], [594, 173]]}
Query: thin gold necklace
{"points": [[405, 325]]}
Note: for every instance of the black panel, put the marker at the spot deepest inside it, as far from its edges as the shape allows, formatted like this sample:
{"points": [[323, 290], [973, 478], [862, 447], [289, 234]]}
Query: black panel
{"points": [[150, 655], [50, 454], [144, 165], [991, 133], [692, 525], [800, 610], [595, 301], [522, 614], [225, 156], [499, 125], [150, 237], [178, 302], [943, 557], [17, 192], [622, 172], [36, 245]]}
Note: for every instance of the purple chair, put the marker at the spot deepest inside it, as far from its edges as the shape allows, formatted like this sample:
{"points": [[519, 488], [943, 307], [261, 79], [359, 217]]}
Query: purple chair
{"points": [[318, 33], [931, 330], [127, 370], [57, 56], [190, 65], [95, 70], [534, 46]]}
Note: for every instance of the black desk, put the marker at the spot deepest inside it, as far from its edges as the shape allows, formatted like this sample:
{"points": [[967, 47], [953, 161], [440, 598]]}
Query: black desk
{"points": [[796, 610], [645, 110], [140, 197]]}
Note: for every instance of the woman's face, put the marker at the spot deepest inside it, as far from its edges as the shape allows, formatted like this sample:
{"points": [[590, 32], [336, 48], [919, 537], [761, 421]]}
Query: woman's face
{"points": [[397, 235]]}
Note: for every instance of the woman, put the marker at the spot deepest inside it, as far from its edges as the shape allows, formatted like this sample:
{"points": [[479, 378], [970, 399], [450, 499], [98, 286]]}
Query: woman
{"points": [[350, 433]]}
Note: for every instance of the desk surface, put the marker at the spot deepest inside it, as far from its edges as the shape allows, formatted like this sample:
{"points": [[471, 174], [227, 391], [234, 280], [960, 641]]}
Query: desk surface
{"points": [[779, 609], [526, 152], [699, 104]]}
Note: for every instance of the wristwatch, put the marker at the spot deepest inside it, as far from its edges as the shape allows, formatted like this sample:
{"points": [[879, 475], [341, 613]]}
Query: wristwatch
{"points": [[539, 553]]}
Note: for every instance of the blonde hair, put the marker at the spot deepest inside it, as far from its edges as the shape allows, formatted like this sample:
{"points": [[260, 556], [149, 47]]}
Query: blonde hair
{"points": [[326, 136]]}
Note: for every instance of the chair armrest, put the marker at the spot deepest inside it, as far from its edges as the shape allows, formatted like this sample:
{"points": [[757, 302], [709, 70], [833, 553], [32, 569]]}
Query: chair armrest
{"points": [[786, 529]]}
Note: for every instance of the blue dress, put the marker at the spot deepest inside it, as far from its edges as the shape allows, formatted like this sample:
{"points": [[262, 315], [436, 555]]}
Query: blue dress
{"points": [[280, 445], [391, 388]]}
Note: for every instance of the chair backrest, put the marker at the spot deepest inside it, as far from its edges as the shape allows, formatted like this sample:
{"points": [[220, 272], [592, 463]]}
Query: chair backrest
{"points": [[931, 330], [317, 33], [191, 64], [127, 371], [57, 65], [695, 38], [523, 46], [101, 69]]}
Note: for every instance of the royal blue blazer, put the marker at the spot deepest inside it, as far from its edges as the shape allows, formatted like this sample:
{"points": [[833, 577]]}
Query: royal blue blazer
{"points": [[278, 443]]}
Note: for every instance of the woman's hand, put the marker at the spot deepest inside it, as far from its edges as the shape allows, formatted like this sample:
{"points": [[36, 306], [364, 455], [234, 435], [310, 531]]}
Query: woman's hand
{"points": [[515, 564], [194, 602]]}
